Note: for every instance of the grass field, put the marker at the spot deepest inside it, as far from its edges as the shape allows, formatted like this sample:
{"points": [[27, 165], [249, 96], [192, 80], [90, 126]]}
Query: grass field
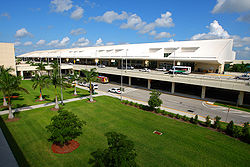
{"points": [[49, 94], [181, 144], [232, 106]]}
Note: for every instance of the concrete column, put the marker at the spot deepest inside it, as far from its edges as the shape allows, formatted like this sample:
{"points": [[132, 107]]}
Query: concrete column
{"points": [[203, 92], [21, 73], [240, 98], [173, 87], [149, 83], [129, 81], [221, 68]]}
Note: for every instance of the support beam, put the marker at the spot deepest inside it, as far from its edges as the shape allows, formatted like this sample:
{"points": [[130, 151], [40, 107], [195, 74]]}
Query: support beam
{"points": [[173, 87], [21, 73], [149, 83], [203, 92], [240, 98], [129, 81]]}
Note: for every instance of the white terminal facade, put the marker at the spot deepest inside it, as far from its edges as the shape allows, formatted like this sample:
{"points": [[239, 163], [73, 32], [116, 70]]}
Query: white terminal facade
{"points": [[202, 56]]}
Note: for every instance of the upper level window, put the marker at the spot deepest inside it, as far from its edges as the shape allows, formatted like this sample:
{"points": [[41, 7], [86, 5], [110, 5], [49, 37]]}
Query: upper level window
{"points": [[189, 49], [167, 54]]}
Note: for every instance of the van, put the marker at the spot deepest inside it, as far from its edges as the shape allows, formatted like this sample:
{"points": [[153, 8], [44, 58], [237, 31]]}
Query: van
{"points": [[180, 70]]}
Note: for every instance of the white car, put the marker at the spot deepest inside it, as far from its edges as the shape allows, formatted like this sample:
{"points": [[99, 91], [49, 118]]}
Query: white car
{"points": [[145, 70], [115, 90], [95, 86], [161, 69]]}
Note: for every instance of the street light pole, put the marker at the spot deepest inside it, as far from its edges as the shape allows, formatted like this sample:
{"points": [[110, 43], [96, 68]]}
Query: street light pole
{"points": [[227, 113], [174, 64], [121, 77]]}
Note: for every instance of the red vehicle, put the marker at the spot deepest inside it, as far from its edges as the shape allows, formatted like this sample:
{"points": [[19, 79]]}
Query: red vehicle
{"points": [[103, 79]]}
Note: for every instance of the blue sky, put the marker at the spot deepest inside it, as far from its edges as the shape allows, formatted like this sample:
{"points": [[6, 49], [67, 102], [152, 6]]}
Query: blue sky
{"points": [[53, 24]]}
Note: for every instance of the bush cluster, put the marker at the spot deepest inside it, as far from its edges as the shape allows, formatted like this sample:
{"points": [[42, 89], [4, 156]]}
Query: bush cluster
{"points": [[232, 130]]}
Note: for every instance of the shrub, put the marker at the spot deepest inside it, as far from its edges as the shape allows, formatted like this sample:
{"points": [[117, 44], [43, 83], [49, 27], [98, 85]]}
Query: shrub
{"points": [[237, 132], [185, 118], [120, 152], [136, 105], [141, 106], [171, 115], [195, 121], [131, 103], [217, 124], [177, 116], [208, 121], [164, 112], [154, 100], [230, 128], [157, 110], [245, 133], [64, 127]]}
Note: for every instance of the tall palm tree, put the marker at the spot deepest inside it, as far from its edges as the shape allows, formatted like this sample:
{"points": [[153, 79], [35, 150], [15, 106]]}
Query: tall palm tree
{"points": [[40, 81], [73, 79], [12, 84], [3, 71], [40, 67], [90, 76]]}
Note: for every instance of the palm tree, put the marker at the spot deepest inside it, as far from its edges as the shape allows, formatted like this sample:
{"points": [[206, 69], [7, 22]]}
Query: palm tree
{"points": [[90, 76], [40, 81], [12, 84], [73, 79], [3, 71], [41, 67]]}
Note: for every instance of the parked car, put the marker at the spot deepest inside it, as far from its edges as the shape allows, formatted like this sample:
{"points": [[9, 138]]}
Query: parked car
{"points": [[244, 77], [124, 67], [161, 69], [101, 66], [83, 84], [180, 70], [145, 70], [115, 90], [94, 86]]}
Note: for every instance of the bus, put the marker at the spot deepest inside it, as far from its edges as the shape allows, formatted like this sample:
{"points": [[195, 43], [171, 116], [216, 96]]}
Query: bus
{"points": [[103, 79], [180, 70]]}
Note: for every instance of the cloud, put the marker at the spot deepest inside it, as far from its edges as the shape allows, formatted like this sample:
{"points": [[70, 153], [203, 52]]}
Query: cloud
{"points": [[91, 4], [163, 35], [77, 14], [133, 22], [22, 33], [110, 16], [5, 15], [165, 20], [81, 42], [247, 48], [216, 31], [60, 6], [57, 43], [77, 31], [231, 6], [110, 43], [99, 42], [28, 43], [17, 43], [244, 18], [41, 42]]}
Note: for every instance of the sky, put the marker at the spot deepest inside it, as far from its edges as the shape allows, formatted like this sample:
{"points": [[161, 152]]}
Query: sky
{"points": [[55, 24]]}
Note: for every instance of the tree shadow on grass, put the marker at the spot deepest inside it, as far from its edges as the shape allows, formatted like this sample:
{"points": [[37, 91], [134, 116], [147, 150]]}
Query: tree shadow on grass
{"points": [[46, 97], [79, 93], [19, 156]]}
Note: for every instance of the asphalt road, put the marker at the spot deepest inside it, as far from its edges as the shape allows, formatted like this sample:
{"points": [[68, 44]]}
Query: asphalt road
{"points": [[184, 104]]}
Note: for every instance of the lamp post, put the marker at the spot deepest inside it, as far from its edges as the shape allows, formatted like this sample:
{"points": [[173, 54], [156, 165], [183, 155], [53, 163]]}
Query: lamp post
{"points": [[174, 64], [121, 77]]}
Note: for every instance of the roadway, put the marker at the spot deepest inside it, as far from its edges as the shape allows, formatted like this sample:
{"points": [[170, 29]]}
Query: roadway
{"points": [[183, 104]]}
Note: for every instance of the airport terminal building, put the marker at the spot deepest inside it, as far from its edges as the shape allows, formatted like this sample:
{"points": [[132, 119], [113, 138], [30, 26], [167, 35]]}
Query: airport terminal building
{"points": [[202, 56]]}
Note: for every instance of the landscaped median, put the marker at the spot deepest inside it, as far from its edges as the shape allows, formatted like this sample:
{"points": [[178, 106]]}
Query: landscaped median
{"points": [[181, 144]]}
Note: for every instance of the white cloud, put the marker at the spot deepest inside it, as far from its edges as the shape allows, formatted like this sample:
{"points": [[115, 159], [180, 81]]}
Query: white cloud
{"points": [[216, 31], [165, 20], [231, 6], [244, 18], [28, 43], [17, 43], [81, 42], [41, 42], [171, 40], [77, 14], [77, 31], [162, 35], [61, 5], [110, 16], [99, 42], [22, 33], [57, 43], [133, 22], [5, 15], [152, 33]]}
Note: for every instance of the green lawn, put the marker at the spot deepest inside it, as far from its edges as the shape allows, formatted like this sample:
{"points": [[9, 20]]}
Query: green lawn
{"points": [[49, 94], [182, 144], [232, 106]]}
